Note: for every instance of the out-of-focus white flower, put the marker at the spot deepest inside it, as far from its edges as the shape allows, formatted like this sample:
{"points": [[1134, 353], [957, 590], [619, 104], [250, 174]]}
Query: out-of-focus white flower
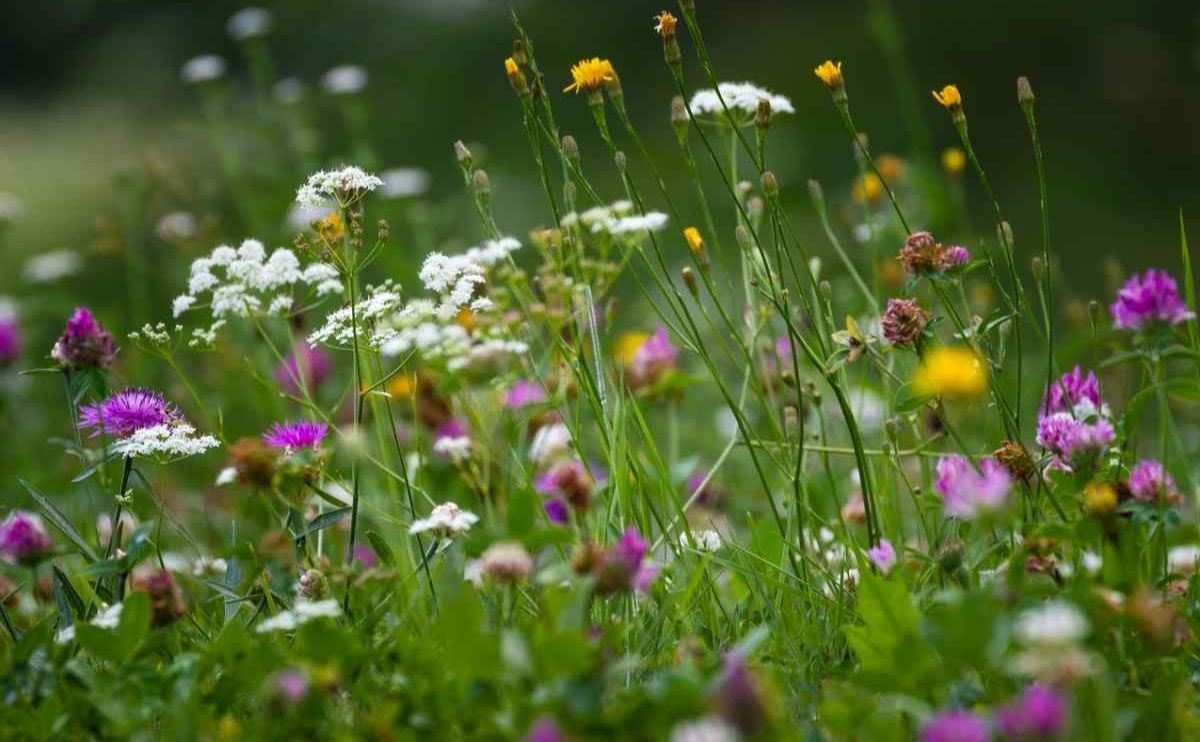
{"points": [[302, 612], [228, 475], [457, 448], [1055, 623], [1092, 562], [178, 225], [1182, 560], [740, 98], [447, 520], [346, 79], [53, 265], [404, 182], [249, 23], [651, 221], [302, 217], [289, 90], [12, 207], [708, 729], [206, 565], [708, 540], [551, 444], [204, 68], [165, 441], [108, 618], [506, 561], [344, 186]]}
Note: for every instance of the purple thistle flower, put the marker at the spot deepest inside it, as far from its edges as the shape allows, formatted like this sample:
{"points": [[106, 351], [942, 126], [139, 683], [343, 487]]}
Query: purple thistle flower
{"points": [[557, 511], [293, 435], [84, 343], [967, 493], [545, 729], [313, 365], [955, 725], [127, 411], [631, 549], [1149, 482], [1038, 714], [1071, 390], [10, 341], [883, 556], [524, 393], [655, 356], [23, 538], [1075, 443], [1150, 297]]}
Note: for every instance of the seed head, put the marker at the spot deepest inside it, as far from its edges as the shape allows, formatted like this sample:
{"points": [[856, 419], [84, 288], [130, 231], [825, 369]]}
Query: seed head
{"points": [[665, 26]]}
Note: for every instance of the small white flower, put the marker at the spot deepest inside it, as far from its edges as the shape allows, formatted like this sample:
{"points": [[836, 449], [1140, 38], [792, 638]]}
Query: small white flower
{"points": [[455, 448], [289, 90], [739, 97], [1182, 560], [1053, 623], [404, 182], [708, 729], [12, 207], [652, 221], [344, 80], [551, 444], [708, 540], [109, 618], [165, 441], [1092, 562], [302, 612], [206, 565], [345, 185], [249, 23], [53, 265], [447, 520], [181, 304], [228, 475], [177, 225], [204, 68]]}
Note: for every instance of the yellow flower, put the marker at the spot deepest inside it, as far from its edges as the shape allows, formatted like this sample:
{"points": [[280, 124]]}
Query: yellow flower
{"points": [[628, 345], [694, 240], [1099, 498], [510, 67], [867, 189], [830, 74], [666, 24], [953, 160], [330, 227], [466, 319], [953, 373], [949, 97], [402, 386], [890, 167], [590, 74]]}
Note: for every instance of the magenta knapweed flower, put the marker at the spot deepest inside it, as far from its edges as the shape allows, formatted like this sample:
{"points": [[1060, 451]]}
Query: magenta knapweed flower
{"points": [[313, 365], [883, 556], [452, 428], [127, 411], [655, 357], [84, 343], [1039, 713], [294, 435], [1073, 390], [10, 341], [1075, 443], [967, 493], [524, 393], [1149, 298], [1149, 482], [23, 538], [955, 725]]}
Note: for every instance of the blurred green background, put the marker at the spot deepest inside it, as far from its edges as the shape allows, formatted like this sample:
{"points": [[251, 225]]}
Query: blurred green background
{"points": [[92, 101]]}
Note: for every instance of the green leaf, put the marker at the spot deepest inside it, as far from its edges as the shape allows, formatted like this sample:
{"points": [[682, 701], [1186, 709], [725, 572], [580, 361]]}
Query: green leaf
{"points": [[382, 550], [135, 623], [63, 584], [59, 521], [908, 400], [522, 512], [324, 520], [890, 648]]}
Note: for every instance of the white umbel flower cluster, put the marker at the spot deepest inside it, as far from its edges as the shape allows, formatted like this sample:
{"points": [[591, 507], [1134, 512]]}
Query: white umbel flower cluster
{"points": [[446, 521], [52, 266], [457, 448], [338, 328], [1055, 623], [709, 541], [616, 219], [165, 442], [204, 68], [107, 618], [740, 97], [302, 612], [345, 185], [239, 281]]}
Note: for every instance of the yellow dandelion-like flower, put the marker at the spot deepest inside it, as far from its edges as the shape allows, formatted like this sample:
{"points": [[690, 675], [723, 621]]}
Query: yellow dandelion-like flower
{"points": [[867, 189], [510, 67], [830, 74], [952, 373], [403, 386], [694, 240], [666, 24], [589, 74], [949, 98], [330, 227], [890, 167], [466, 319], [628, 344], [954, 160]]}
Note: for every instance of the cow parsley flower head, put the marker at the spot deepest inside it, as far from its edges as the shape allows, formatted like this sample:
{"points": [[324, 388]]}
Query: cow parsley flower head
{"points": [[52, 266], [1150, 298], [447, 520], [741, 98], [1055, 623], [202, 69], [165, 442], [291, 436], [344, 186]]}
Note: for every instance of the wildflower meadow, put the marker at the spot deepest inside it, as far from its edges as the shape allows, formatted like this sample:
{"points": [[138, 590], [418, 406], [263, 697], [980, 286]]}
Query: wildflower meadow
{"points": [[688, 450]]}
